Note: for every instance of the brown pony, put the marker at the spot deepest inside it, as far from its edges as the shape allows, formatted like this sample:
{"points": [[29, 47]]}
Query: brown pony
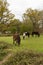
{"points": [[16, 38]]}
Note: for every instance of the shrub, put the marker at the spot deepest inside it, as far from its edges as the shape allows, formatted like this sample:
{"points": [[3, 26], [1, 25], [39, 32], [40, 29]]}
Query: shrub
{"points": [[25, 58], [3, 49]]}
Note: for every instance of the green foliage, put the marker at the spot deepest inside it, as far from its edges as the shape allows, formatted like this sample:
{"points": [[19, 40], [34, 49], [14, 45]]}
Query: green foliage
{"points": [[4, 45], [34, 17], [5, 16], [25, 57], [9, 23], [3, 53], [14, 25], [3, 50]]}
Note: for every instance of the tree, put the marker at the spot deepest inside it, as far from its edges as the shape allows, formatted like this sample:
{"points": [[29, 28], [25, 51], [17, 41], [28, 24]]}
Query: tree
{"points": [[5, 15], [15, 25], [32, 15], [40, 22]]}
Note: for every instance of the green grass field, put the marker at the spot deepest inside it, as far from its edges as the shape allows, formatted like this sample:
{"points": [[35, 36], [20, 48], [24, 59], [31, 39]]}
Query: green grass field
{"points": [[31, 43], [30, 51]]}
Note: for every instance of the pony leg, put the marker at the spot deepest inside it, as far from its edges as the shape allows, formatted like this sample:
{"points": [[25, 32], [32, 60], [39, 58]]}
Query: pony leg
{"points": [[13, 41]]}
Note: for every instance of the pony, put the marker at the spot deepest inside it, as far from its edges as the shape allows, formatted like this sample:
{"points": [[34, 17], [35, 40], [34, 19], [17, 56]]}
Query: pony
{"points": [[16, 38], [36, 33], [26, 34]]}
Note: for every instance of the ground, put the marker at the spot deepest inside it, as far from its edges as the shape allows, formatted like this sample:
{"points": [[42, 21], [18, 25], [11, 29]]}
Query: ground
{"points": [[32, 46], [32, 43]]}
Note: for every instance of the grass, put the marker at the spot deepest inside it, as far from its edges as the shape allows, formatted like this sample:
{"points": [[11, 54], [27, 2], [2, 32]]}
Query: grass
{"points": [[32, 43], [30, 51], [3, 50], [25, 58]]}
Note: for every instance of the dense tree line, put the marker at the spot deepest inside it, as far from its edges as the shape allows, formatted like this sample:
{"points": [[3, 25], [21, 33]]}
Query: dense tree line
{"points": [[32, 20]]}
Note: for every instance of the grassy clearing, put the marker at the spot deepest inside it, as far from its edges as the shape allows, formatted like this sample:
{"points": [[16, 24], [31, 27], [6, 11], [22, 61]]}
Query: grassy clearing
{"points": [[32, 43], [30, 52]]}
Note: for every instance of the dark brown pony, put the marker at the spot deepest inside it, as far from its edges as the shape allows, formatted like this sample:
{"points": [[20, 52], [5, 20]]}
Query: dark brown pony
{"points": [[16, 38], [36, 33]]}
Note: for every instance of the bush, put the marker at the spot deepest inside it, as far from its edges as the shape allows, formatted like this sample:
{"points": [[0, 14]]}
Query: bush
{"points": [[25, 58], [3, 49], [3, 53], [4, 45]]}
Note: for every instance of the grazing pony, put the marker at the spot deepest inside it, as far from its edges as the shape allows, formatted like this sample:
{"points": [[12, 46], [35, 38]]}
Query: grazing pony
{"points": [[36, 33], [16, 38], [26, 34]]}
